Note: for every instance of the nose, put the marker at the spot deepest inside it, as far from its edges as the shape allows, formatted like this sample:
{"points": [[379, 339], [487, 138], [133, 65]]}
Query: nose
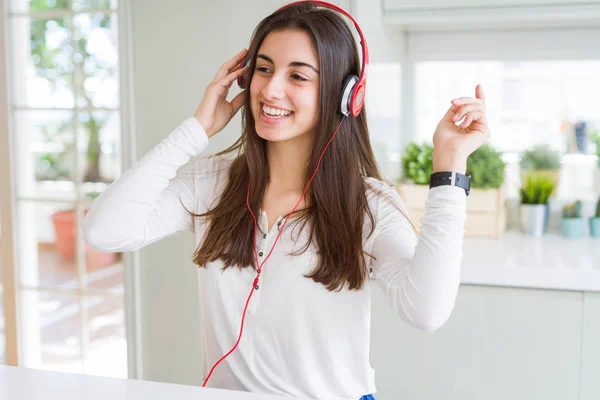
{"points": [[275, 87]]}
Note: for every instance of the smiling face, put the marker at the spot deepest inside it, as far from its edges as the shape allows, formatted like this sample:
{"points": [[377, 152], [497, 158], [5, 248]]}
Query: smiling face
{"points": [[284, 92]]}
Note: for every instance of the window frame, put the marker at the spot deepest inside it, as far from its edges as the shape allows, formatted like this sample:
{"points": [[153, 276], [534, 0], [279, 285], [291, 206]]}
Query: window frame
{"points": [[9, 198]]}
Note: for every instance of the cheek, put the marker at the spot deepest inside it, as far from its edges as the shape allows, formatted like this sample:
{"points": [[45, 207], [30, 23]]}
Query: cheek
{"points": [[306, 100], [310, 103], [255, 89]]}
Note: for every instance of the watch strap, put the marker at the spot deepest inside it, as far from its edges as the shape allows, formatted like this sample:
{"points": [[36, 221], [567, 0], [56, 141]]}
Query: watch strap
{"points": [[451, 178]]}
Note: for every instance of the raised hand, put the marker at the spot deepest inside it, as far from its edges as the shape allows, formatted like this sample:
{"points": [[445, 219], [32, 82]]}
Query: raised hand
{"points": [[214, 111], [452, 143]]}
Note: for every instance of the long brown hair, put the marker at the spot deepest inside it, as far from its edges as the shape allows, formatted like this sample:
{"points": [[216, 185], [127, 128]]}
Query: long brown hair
{"points": [[337, 198]]}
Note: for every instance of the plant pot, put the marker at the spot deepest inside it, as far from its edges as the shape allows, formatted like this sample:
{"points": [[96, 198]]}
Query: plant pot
{"points": [[572, 227], [534, 219], [595, 227], [64, 230], [486, 209]]}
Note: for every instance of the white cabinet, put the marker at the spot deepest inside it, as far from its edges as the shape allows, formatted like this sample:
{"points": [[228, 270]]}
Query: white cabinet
{"points": [[500, 343], [449, 4], [590, 348], [502, 12]]}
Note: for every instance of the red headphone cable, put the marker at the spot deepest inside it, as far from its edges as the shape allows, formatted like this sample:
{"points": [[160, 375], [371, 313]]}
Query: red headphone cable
{"points": [[259, 270]]}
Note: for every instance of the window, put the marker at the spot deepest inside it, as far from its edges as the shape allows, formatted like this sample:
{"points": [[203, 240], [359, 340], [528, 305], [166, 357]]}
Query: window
{"points": [[383, 106], [64, 68], [530, 103]]}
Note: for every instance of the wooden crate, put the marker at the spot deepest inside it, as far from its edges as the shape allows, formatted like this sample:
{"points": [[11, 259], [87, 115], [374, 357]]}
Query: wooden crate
{"points": [[486, 209]]}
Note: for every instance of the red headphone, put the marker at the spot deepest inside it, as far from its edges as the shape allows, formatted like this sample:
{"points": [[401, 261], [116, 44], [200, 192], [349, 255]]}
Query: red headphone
{"points": [[353, 88]]}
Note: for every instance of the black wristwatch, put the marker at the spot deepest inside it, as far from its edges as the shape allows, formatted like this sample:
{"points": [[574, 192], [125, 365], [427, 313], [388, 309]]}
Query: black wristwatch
{"points": [[451, 178]]}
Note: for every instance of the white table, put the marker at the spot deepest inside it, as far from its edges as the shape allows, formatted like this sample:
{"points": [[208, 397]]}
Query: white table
{"points": [[17, 383]]}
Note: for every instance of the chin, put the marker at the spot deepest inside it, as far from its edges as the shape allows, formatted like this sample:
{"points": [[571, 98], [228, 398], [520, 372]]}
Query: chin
{"points": [[271, 135]]}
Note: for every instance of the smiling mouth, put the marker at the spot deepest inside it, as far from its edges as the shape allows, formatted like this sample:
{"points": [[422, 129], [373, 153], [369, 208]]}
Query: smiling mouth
{"points": [[274, 113]]}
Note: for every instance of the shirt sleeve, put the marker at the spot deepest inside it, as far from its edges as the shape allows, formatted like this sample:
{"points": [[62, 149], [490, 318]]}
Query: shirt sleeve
{"points": [[420, 275], [147, 202]]}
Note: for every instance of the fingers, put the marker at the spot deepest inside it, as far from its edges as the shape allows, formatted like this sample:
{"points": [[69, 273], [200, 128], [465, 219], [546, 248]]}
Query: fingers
{"points": [[237, 102], [468, 119], [460, 101], [232, 77], [222, 86], [471, 114], [479, 97], [448, 117], [471, 109], [231, 64], [479, 92], [474, 118]]}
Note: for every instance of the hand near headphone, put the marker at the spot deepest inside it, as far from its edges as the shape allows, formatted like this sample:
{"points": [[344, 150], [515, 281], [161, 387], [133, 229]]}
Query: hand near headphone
{"points": [[453, 143], [214, 111]]}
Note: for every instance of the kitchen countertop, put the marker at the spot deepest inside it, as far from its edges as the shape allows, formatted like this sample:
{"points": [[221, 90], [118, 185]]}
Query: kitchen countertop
{"points": [[548, 262]]}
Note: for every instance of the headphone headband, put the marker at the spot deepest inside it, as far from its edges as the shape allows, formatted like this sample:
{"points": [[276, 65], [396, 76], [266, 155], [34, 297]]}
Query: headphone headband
{"points": [[363, 43], [354, 88]]}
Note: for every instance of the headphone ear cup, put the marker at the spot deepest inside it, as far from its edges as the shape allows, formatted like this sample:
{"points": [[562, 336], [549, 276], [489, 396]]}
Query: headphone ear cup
{"points": [[242, 81], [358, 99], [347, 92]]}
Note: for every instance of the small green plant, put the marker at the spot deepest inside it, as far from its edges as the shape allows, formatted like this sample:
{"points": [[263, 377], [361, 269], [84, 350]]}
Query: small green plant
{"points": [[597, 215], [597, 139], [537, 189], [572, 210], [486, 168], [417, 163], [540, 157]]}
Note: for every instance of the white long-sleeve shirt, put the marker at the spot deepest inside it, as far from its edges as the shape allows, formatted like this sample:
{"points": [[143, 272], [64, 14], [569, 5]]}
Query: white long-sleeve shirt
{"points": [[299, 339]]}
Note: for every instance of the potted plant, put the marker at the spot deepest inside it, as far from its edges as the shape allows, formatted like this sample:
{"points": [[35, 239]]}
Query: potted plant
{"points": [[64, 222], [572, 221], [534, 204], [486, 205], [486, 211], [417, 163], [541, 160], [486, 168], [595, 222], [413, 186]]}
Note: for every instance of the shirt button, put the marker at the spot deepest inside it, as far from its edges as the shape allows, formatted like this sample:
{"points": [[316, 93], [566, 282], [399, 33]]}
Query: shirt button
{"points": [[279, 223], [260, 254], [264, 236]]}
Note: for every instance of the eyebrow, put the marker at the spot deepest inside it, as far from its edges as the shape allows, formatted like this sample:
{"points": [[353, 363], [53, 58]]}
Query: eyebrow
{"points": [[292, 64]]}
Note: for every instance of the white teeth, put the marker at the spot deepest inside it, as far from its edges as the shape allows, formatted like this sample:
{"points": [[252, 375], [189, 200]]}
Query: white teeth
{"points": [[275, 111]]}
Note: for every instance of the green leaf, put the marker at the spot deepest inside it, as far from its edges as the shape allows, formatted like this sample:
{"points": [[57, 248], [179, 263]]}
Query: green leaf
{"points": [[540, 157], [486, 168], [537, 189], [417, 163]]}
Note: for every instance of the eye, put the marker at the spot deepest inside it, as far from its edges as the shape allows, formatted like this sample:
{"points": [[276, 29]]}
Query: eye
{"points": [[299, 78], [263, 69]]}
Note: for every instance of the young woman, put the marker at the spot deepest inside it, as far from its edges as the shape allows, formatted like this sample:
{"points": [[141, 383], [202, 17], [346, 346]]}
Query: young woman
{"points": [[291, 220]]}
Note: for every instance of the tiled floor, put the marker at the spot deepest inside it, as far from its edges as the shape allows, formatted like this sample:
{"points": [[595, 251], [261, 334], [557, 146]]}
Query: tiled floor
{"points": [[58, 324]]}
